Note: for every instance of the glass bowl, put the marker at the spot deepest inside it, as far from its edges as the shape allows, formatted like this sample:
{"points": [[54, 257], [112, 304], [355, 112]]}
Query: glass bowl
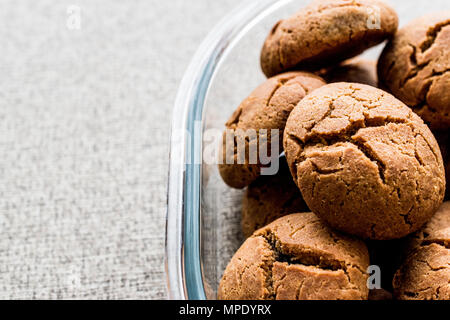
{"points": [[203, 216]]}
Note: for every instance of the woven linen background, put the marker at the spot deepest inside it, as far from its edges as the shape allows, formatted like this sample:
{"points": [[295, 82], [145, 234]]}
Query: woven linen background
{"points": [[84, 130]]}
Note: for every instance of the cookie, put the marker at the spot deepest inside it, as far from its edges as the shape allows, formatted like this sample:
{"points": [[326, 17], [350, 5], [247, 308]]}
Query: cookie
{"points": [[269, 198], [437, 230], [297, 257], [364, 162], [267, 107], [425, 275], [355, 70], [415, 67], [326, 32]]}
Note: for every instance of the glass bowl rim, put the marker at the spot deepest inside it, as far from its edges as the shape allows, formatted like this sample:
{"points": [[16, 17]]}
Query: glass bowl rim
{"points": [[182, 246]]}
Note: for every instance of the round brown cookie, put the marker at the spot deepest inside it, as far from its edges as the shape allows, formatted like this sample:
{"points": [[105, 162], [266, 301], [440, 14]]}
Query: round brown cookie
{"points": [[437, 230], [355, 70], [425, 274], [267, 107], [364, 162], [326, 32], [415, 67], [269, 198], [297, 257]]}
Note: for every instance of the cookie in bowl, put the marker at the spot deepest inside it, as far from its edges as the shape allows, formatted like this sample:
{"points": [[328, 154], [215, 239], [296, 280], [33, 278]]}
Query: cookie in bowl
{"points": [[269, 198], [297, 257], [266, 108], [326, 32], [425, 274], [365, 163], [415, 67]]}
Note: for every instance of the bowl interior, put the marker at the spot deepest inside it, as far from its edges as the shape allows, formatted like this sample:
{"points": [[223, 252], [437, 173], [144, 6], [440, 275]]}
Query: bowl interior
{"points": [[238, 74]]}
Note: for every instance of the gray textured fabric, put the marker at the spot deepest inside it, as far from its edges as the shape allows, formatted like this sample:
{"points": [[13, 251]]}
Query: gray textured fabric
{"points": [[84, 125]]}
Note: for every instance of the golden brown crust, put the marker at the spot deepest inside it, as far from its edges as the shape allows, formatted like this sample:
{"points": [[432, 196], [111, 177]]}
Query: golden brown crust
{"points": [[297, 257], [248, 275], [415, 68], [364, 162], [267, 107], [269, 198], [437, 230], [425, 274], [325, 32]]}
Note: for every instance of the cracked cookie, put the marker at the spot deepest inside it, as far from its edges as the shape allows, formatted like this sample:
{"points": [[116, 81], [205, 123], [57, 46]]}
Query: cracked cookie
{"points": [[269, 198], [355, 70], [437, 230], [425, 274], [267, 107], [297, 257], [415, 67], [326, 32], [364, 162]]}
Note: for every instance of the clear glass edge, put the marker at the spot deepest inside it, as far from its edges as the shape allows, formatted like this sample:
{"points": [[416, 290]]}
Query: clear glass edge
{"points": [[182, 255]]}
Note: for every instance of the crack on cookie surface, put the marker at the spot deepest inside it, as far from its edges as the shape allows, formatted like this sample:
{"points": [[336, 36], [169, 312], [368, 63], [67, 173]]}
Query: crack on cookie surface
{"points": [[346, 137], [380, 139], [309, 258], [424, 273], [432, 35], [414, 72], [420, 80], [273, 262], [347, 134], [305, 257], [309, 38]]}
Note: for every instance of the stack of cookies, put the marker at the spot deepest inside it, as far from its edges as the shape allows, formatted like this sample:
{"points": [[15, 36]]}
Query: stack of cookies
{"points": [[363, 158]]}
